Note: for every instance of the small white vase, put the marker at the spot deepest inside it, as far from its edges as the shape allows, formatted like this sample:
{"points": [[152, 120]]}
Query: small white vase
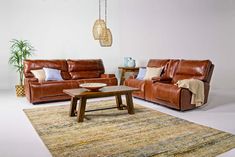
{"points": [[131, 63]]}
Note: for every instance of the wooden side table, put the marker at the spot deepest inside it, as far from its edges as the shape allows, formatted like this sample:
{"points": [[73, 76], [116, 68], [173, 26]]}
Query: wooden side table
{"points": [[127, 69]]}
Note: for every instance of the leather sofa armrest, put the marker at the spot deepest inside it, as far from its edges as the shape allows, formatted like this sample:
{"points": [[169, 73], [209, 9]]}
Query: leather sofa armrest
{"points": [[162, 79], [107, 76], [27, 82], [33, 79]]}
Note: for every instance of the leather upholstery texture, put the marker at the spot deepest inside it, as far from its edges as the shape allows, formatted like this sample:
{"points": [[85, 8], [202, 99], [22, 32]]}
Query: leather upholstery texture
{"points": [[136, 84], [170, 69], [39, 64], [79, 69], [192, 69], [157, 63], [163, 91], [74, 72]]}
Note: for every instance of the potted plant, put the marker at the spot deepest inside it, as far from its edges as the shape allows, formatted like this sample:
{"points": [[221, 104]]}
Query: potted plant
{"points": [[20, 50]]}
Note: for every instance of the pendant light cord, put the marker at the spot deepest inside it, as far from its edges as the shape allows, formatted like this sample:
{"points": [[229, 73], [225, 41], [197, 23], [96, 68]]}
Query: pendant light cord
{"points": [[99, 10], [106, 12]]}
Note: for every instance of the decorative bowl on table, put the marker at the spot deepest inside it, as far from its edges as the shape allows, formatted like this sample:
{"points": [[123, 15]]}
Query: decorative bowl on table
{"points": [[94, 87]]}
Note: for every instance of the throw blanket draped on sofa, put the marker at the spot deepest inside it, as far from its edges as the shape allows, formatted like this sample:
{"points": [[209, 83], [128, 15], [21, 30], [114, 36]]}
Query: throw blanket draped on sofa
{"points": [[197, 89]]}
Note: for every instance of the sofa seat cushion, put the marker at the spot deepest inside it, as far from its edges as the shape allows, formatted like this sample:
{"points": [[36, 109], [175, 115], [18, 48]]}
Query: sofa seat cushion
{"points": [[140, 84], [108, 81], [166, 92], [72, 82], [84, 74]]}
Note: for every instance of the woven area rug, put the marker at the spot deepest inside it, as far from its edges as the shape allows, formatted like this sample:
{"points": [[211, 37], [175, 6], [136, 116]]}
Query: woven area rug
{"points": [[116, 133]]}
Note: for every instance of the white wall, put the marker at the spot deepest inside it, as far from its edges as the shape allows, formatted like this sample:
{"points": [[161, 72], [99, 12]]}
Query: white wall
{"points": [[188, 29], [58, 29], [142, 29]]}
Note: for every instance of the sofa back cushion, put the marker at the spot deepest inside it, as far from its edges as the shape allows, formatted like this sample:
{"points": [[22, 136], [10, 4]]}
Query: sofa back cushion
{"points": [[91, 68], [39, 64], [197, 69], [157, 63], [170, 68]]}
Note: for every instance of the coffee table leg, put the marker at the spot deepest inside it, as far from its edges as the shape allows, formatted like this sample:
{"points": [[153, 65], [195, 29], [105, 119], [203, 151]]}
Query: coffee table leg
{"points": [[119, 102], [129, 103], [81, 109], [73, 105]]}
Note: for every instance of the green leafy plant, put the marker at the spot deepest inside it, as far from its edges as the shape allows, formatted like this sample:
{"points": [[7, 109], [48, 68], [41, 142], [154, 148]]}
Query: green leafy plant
{"points": [[20, 50]]}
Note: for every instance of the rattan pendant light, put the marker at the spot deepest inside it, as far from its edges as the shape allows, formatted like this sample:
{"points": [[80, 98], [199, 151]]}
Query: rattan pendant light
{"points": [[98, 27], [106, 39]]}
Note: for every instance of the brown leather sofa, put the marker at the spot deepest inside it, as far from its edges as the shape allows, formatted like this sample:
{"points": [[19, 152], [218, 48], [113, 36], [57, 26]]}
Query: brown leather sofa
{"points": [[73, 72], [162, 90]]}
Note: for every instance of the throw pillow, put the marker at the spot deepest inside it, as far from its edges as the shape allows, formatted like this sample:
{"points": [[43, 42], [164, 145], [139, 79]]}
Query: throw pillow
{"points": [[39, 74], [52, 74], [141, 74], [152, 72]]}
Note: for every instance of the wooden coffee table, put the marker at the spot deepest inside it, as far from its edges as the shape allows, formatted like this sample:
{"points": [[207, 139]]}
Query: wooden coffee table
{"points": [[82, 95]]}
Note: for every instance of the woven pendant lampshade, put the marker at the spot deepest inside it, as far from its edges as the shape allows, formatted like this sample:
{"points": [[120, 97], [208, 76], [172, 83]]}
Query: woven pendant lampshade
{"points": [[107, 38], [98, 27]]}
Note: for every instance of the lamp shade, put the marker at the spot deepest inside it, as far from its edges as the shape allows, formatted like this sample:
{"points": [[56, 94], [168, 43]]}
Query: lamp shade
{"points": [[98, 27], [107, 38]]}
